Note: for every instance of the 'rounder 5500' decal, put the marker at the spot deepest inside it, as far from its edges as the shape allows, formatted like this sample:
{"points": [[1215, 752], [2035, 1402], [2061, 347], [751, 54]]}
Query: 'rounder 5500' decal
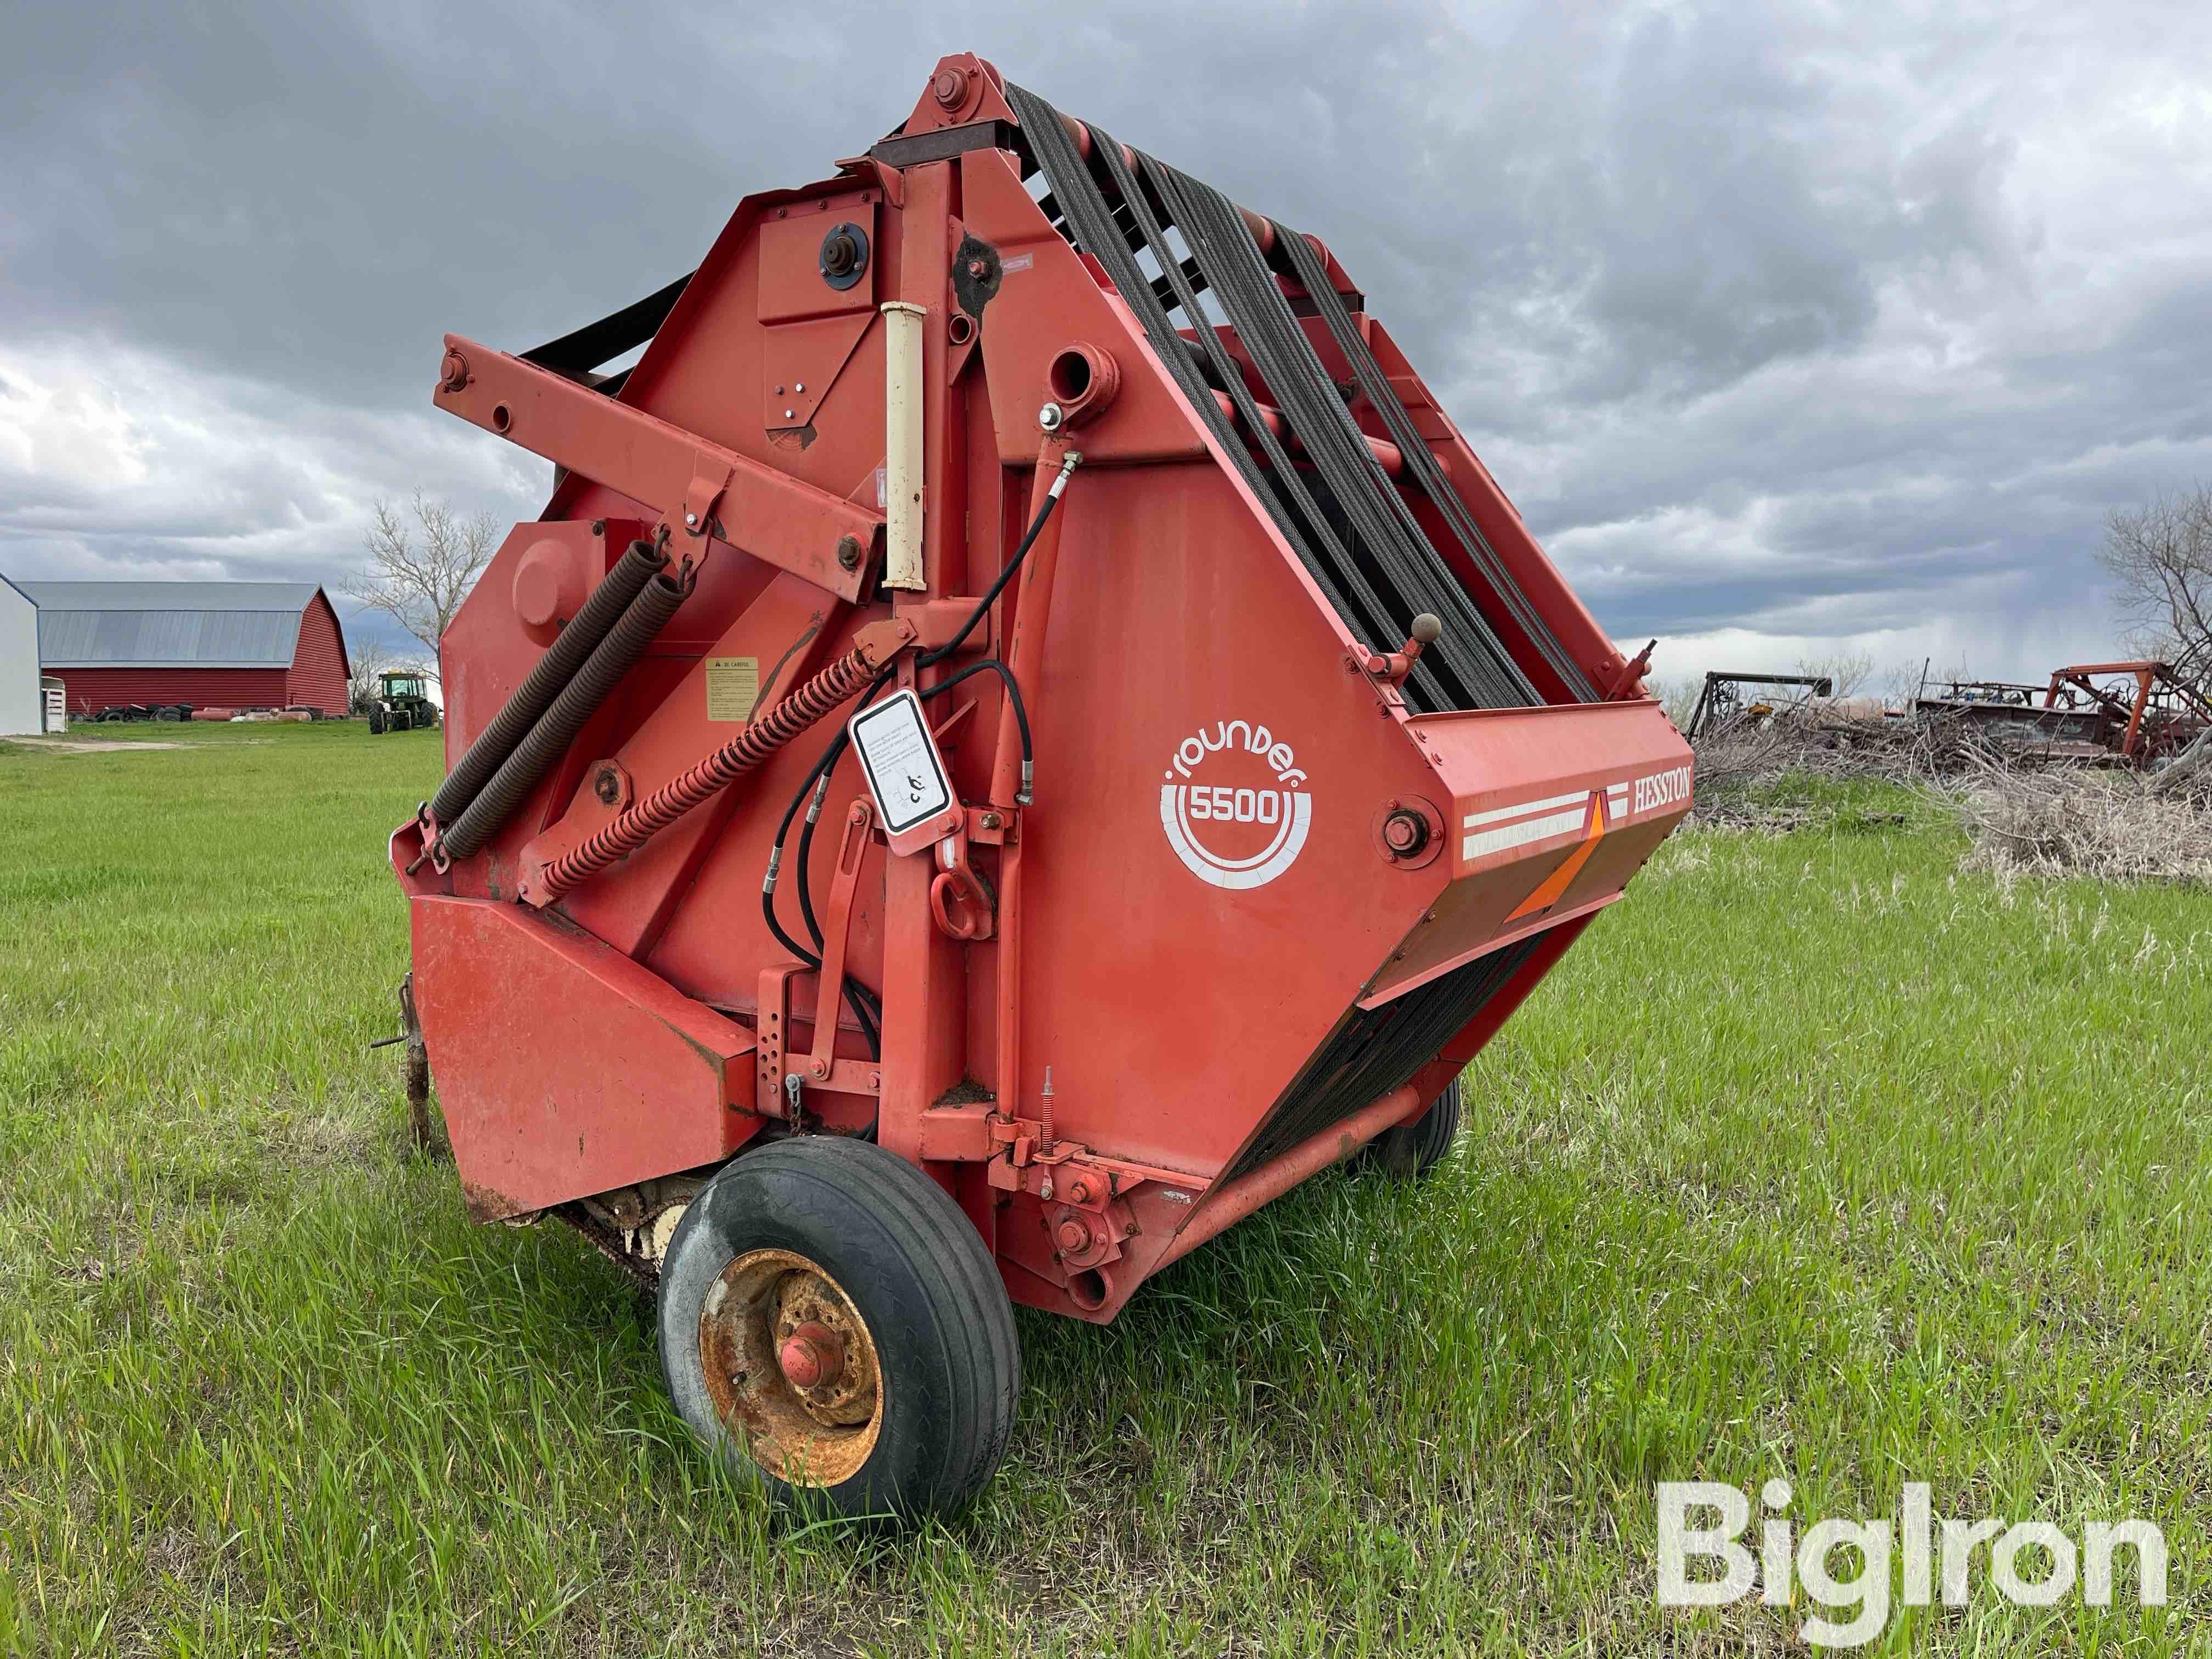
{"points": [[1233, 805]]}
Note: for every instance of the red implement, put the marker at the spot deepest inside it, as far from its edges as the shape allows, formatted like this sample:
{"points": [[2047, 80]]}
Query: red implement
{"points": [[1258, 765]]}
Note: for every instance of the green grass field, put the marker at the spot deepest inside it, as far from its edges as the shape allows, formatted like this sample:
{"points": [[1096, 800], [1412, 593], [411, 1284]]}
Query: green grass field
{"points": [[1815, 1158]]}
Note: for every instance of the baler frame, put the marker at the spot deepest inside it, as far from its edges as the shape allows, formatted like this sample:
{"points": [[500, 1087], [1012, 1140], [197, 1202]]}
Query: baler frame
{"points": [[984, 448]]}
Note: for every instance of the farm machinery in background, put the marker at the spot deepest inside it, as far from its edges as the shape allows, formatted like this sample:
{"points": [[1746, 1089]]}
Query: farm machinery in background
{"points": [[401, 704], [1023, 732], [1733, 702], [2137, 713]]}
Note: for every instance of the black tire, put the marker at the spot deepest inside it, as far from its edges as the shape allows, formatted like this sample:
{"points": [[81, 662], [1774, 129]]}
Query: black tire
{"points": [[1410, 1150], [931, 1306], [376, 722]]}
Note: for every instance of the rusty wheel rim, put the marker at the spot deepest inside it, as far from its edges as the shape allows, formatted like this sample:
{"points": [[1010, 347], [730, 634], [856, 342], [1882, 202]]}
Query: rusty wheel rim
{"points": [[792, 1368]]}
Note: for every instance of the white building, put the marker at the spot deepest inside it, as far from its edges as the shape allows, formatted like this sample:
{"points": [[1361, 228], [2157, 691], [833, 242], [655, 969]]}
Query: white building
{"points": [[22, 706]]}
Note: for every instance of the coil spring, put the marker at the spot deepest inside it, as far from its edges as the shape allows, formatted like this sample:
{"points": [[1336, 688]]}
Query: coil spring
{"points": [[759, 740]]}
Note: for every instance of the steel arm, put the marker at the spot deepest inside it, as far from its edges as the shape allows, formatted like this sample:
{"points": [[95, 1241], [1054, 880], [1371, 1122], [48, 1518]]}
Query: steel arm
{"points": [[789, 525]]}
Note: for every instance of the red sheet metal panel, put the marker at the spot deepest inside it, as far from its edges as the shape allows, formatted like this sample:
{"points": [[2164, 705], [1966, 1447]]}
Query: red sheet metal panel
{"points": [[90, 690], [564, 1068], [1203, 894], [318, 675]]}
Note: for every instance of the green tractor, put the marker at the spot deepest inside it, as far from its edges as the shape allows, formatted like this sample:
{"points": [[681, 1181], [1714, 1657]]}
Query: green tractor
{"points": [[402, 704]]}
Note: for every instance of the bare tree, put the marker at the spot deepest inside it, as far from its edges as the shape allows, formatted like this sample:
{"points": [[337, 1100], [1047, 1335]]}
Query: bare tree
{"points": [[1848, 669], [1677, 694], [421, 572], [2159, 558]]}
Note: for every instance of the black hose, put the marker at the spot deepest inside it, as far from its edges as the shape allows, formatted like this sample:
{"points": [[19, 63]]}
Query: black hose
{"points": [[600, 612], [928, 658], [867, 1008], [548, 739], [992, 665]]}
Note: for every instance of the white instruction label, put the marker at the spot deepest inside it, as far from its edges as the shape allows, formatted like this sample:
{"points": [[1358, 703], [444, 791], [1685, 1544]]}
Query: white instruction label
{"points": [[904, 771]]}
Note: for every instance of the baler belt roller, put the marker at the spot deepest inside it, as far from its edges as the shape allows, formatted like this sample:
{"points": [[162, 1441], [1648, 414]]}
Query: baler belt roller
{"points": [[1348, 525], [603, 669], [598, 613]]}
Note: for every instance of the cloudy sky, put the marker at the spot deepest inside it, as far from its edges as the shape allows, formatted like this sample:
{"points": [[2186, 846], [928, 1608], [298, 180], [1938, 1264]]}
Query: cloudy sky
{"points": [[1790, 330]]}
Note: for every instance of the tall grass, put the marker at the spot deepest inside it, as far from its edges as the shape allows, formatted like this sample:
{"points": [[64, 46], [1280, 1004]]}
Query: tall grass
{"points": [[1816, 1157]]}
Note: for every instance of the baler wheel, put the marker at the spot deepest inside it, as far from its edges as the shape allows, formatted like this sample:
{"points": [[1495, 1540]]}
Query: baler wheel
{"points": [[830, 1317], [1410, 1150]]}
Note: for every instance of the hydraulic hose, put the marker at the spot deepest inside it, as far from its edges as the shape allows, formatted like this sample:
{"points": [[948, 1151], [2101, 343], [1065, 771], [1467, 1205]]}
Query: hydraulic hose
{"points": [[929, 658], [578, 700], [600, 612]]}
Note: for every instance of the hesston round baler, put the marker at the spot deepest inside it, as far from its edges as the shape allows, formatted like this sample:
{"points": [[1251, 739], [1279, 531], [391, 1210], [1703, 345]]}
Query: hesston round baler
{"points": [[1229, 763]]}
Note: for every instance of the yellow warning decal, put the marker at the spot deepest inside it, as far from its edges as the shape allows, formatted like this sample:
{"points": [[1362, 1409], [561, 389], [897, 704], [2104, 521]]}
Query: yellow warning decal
{"points": [[733, 687]]}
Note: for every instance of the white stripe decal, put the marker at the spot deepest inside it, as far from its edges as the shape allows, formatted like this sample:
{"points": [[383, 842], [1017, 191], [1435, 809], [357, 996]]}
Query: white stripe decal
{"points": [[1476, 820], [1517, 834]]}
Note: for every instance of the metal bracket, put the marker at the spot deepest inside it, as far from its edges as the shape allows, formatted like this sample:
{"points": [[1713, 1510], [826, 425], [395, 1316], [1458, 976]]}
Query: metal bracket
{"points": [[709, 479], [958, 900], [771, 1034], [836, 929]]}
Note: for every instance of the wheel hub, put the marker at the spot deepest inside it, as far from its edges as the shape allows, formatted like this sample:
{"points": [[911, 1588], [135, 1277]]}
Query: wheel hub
{"points": [[812, 1357], [791, 1368]]}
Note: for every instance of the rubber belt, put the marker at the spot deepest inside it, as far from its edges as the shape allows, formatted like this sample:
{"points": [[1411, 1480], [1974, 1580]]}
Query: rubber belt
{"points": [[1421, 464], [1383, 524], [1385, 551], [1299, 518]]}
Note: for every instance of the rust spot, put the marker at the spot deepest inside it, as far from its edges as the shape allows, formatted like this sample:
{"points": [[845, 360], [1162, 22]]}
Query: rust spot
{"points": [[485, 1205]]}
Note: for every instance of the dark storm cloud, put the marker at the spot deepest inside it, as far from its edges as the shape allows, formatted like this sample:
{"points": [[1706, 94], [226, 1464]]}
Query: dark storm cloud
{"points": [[1785, 329]]}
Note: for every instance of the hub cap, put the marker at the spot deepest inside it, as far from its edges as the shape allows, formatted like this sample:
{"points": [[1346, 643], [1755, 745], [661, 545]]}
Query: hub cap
{"points": [[791, 1368]]}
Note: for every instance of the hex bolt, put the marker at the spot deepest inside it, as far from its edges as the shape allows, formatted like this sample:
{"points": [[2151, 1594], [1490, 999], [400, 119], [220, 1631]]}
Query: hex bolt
{"points": [[849, 552], [1052, 418], [992, 820], [690, 520], [606, 784]]}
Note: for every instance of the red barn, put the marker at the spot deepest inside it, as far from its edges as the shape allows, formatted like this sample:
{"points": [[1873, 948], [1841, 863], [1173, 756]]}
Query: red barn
{"points": [[223, 644]]}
